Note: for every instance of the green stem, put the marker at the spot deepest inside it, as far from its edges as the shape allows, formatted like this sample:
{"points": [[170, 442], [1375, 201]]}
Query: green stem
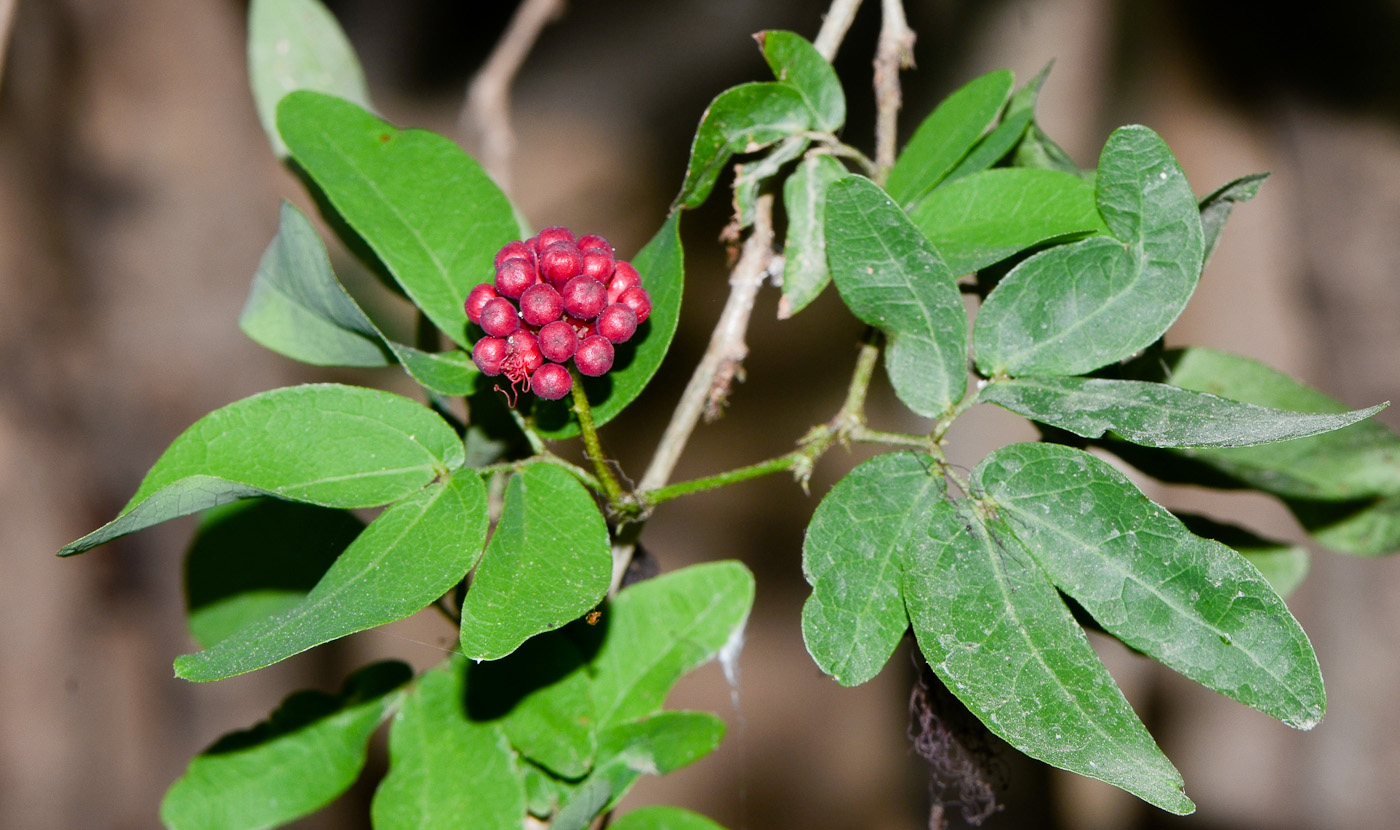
{"points": [[593, 447], [697, 485], [861, 376]]}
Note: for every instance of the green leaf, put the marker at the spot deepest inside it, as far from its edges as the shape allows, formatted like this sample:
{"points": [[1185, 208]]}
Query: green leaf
{"points": [[988, 216], [548, 563], [805, 272], [1283, 564], [1216, 207], [543, 697], [1157, 414], [659, 629], [661, 264], [946, 136], [411, 554], [853, 557], [656, 745], [995, 630], [297, 44], [336, 446], [1074, 308], [797, 62], [992, 148], [259, 558], [306, 753], [1192, 604], [426, 209], [891, 277], [742, 119], [298, 308], [447, 770], [1040, 152], [663, 818]]}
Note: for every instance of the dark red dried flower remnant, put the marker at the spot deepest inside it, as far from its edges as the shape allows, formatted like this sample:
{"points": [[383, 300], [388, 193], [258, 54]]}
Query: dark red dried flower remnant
{"points": [[555, 298]]}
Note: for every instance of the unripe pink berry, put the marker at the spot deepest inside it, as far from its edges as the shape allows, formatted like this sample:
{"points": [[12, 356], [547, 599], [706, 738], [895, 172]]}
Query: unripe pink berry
{"points": [[560, 263], [637, 299], [593, 240], [541, 304], [488, 353], [598, 264], [594, 356], [584, 297], [558, 341], [515, 250], [498, 317], [624, 277], [617, 322], [477, 298], [514, 276], [549, 236], [551, 382]]}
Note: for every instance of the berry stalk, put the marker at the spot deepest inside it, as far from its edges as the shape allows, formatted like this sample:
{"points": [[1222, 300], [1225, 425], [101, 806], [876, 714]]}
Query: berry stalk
{"points": [[593, 448]]}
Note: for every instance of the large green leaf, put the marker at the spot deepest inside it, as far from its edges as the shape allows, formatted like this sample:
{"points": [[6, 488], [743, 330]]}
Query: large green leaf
{"points": [[661, 264], [304, 755], [659, 629], [946, 135], [1216, 207], [891, 277], [411, 554], [805, 272], [543, 696], [988, 216], [663, 818], [549, 562], [326, 444], [853, 557], [1074, 308], [298, 308], [447, 770], [1191, 603], [1157, 414], [654, 745], [995, 630], [742, 119], [426, 209], [797, 62], [297, 44], [258, 558], [1283, 564], [993, 147]]}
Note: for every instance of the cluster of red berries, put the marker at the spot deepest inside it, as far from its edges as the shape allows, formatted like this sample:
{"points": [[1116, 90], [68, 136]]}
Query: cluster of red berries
{"points": [[555, 299]]}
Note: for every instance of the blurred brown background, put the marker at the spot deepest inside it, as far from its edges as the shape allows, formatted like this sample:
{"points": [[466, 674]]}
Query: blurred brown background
{"points": [[137, 193]]}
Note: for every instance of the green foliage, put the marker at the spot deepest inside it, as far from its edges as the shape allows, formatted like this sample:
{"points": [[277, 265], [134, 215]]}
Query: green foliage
{"points": [[559, 709]]}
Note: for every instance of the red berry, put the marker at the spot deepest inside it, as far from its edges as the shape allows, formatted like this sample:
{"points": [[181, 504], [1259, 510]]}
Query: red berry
{"points": [[582, 328], [551, 382], [549, 236], [598, 264], [560, 263], [584, 297], [498, 317], [514, 276], [593, 240], [624, 277], [617, 322], [515, 250], [594, 356], [523, 350], [558, 341], [541, 304], [478, 297], [637, 299], [488, 353]]}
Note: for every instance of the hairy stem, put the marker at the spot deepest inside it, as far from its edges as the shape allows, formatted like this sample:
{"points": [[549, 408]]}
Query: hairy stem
{"points": [[593, 447], [894, 52], [486, 113], [835, 23]]}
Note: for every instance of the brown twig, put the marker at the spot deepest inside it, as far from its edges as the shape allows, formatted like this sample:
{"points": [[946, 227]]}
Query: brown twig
{"points": [[895, 51], [834, 25], [486, 113], [7, 19]]}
